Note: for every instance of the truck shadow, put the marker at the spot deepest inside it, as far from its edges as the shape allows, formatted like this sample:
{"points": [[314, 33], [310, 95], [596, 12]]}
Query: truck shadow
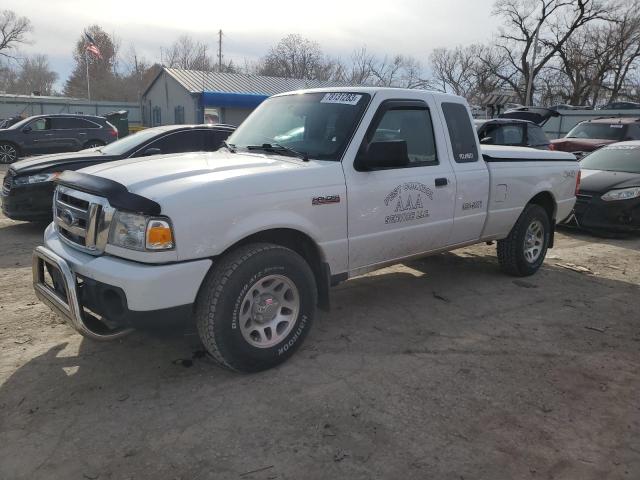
{"points": [[79, 393]]}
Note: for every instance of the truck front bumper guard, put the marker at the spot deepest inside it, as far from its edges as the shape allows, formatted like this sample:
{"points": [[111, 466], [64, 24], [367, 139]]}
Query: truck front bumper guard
{"points": [[59, 291]]}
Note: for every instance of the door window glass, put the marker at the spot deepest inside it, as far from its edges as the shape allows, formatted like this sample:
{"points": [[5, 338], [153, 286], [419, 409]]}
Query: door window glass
{"points": [[461, 132], [413, 126], [215, 139], [70, 123], [41, 124], [179, 142]]}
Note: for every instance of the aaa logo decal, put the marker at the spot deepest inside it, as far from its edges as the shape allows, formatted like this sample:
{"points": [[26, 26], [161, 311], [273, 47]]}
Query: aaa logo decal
{"points": [[407, 202]]}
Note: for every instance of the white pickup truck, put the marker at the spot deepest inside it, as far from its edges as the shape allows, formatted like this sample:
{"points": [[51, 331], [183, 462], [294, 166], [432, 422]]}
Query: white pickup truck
{"points": [[315, 187]]}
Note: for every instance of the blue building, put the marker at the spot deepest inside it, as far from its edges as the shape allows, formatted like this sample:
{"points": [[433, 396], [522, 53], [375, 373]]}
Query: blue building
{"points": [[177, 96]]}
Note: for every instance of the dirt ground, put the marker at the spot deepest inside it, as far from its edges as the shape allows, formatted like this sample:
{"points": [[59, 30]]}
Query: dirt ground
{"points": [[438, 369]]}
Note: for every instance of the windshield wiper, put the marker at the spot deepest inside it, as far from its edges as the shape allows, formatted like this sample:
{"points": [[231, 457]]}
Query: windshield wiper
{"points": [[229, 146], [276, 147]]}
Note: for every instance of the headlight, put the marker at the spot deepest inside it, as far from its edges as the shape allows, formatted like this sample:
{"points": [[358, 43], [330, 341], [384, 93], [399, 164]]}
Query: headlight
{"points": [[139, 232], [621, 194], [38, 178]]}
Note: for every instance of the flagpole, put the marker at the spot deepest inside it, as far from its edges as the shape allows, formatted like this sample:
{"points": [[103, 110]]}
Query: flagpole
{"points": [[86, 61]]}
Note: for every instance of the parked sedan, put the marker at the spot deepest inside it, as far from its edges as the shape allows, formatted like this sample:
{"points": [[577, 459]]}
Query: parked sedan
{"points": [[513, 132], [28, 185], [609, 195], [54, 133]]}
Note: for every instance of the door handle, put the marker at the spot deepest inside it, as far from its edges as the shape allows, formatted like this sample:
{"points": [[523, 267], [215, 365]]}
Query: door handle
{"points": [[441, 182], [48, 134], [81, 133]]}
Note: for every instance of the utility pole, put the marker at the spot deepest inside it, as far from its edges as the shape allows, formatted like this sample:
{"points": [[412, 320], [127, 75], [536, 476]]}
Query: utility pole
{"points": [[86, 61], [219, 50]]}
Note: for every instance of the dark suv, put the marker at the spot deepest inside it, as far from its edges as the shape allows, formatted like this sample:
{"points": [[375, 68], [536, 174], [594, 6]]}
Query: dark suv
{"points": [[53, 134]]}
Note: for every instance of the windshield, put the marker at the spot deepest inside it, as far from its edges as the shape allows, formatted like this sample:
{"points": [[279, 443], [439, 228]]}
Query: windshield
{"points": [[616, 158], [605, 131], [318, 125], [122, 146]]}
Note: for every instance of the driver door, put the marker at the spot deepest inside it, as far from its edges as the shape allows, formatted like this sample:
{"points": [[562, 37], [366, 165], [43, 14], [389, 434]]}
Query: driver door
{"points": [[405, 208], [38, 136]]}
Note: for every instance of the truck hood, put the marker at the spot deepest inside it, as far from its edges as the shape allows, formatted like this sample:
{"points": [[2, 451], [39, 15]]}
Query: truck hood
{"points": [[601, 181], [162, 175]]}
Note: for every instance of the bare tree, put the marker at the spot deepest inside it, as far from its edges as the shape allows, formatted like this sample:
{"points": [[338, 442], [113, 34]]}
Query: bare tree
{"points": [[188, 54], [451, 69], [362, 66], [35, 76], [8, 78], [294, 57], [555, 21], [14, 31], [624, 34], [468, 71]]}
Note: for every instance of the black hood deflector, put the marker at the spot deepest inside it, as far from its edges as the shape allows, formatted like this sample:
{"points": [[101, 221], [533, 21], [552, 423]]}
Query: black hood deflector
{"points": [[117, 194]]}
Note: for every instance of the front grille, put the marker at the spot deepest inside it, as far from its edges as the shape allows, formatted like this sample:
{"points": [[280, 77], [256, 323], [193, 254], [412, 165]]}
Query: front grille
{"points": [[7, 183], [82, 220]]}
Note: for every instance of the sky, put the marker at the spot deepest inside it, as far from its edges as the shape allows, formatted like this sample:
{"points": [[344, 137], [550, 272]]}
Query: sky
{"points": [[411, 27]]}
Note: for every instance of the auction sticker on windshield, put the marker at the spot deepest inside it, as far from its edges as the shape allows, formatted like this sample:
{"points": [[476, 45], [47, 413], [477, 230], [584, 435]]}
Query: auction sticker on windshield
{"points": [[341, 97]]}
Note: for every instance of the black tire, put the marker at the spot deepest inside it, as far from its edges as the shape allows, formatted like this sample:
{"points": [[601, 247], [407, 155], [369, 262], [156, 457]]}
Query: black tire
{"points": [[511, 250], [93, 144], [223, 294], [9, 152]]}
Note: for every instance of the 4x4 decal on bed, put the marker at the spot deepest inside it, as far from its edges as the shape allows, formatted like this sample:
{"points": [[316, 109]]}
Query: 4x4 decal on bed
{"points": [[407, 200]]}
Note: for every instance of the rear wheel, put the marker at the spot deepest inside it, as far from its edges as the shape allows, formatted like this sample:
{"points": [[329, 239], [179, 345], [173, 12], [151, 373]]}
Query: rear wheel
{"points": [[256, 306], [8, 152], [523, 251]]}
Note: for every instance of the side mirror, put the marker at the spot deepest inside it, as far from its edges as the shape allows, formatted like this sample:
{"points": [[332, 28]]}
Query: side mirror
{"points": [[152, 151], [27, 129], [379, 155], [487, 140]]}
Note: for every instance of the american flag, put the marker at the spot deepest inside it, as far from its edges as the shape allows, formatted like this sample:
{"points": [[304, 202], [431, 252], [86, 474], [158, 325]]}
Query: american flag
{"points": [[92, 47]]}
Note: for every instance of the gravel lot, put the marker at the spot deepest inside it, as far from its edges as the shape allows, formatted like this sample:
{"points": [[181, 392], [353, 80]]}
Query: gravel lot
{"points": [[442, 368]]}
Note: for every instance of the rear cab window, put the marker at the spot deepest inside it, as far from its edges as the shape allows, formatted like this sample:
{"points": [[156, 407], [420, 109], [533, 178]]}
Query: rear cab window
{"points": [[461, 132]]}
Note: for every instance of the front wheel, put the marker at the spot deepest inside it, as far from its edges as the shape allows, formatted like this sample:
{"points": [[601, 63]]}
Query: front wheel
{"points": [[8, 152], [256, 306], [522, 253]]}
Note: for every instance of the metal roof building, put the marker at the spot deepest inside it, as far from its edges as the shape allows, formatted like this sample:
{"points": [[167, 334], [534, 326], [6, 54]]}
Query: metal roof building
{"points": [[189, 96]]}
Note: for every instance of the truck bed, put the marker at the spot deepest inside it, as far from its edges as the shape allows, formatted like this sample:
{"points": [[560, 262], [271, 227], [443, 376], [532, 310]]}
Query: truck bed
{"points": [[515, 173]]}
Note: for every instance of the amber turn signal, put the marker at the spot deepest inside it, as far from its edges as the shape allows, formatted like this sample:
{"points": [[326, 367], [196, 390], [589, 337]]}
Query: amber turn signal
{"points": [[159, 235]]}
